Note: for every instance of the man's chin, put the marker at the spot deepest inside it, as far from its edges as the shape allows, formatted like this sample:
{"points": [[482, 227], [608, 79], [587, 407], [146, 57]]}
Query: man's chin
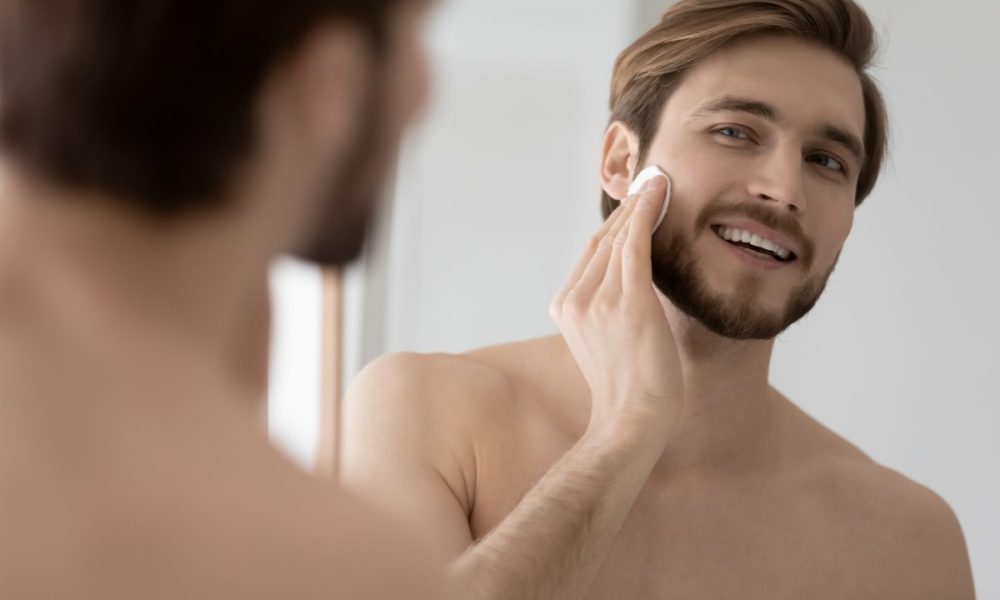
{"points": [[741, 316], [329, 256], [336, 246], [747, 318], [744, 324]]}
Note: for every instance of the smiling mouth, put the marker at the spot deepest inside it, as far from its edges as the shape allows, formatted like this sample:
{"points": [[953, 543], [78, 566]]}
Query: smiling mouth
{"points": [[762, 247]]}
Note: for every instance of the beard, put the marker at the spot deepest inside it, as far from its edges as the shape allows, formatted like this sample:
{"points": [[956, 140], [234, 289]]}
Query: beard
{"points": [[354, 188], [679, 274]]}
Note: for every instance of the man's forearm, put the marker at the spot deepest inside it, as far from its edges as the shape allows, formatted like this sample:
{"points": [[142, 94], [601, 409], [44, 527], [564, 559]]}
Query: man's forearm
{"points": [[554, 542]]}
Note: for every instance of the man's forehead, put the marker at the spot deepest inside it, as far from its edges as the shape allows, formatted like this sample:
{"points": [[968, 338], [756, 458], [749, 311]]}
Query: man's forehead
{"points": [[804, 82]]}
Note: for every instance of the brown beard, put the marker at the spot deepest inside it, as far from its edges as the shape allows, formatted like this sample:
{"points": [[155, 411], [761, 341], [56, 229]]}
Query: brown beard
{"points": [[679, 274], [355, 186]]}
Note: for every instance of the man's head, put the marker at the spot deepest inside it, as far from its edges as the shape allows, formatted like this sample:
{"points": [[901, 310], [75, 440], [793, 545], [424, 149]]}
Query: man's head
{"points": [[176, 108], [768, 124]]}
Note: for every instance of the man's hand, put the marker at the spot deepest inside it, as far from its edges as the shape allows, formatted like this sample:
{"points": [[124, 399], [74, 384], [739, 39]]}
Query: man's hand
{"points": [[614, 324]]}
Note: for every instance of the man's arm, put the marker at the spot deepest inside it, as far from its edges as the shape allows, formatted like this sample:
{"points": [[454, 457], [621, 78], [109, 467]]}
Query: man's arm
{"points": [[552, 545]]}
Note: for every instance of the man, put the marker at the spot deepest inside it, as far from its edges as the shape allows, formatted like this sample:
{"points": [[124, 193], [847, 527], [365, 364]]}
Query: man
{"points": [[155, 157], [643, 453]]}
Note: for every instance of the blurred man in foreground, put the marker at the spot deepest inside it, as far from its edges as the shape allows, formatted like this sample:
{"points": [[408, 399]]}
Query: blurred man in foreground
{"points": [[154, 158]]}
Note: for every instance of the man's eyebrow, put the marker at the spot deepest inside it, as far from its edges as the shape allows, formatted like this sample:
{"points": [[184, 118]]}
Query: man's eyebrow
{"points": [[848, 140], [738, 104], [827, 131]]}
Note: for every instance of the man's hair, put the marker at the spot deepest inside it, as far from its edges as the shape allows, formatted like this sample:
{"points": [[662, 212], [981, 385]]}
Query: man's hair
{"points": [[651, 69], [151, 101]]}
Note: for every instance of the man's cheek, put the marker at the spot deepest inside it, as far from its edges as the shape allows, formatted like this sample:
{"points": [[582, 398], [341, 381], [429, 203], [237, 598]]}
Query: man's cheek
{"points": [[827, 253], [840, 236]]}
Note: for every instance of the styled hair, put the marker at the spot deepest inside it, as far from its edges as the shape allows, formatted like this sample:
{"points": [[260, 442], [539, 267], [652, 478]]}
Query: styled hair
{"points": [[648, 72], [151, 101]]}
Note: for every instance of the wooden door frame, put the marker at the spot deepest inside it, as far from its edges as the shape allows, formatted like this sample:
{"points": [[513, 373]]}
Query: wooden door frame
{"points": [[331, 373]]}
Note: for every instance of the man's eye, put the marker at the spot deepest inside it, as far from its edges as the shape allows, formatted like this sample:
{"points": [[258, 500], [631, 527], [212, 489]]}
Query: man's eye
{"points": [[829, 162], [732, 132]]}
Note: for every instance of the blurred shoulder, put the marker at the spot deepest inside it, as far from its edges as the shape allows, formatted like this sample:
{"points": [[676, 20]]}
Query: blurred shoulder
{"points": [[369, 553]]}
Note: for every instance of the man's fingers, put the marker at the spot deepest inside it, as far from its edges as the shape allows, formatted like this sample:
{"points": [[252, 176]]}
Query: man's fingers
{"points": [[636, 262], [596, 271], [612, 284], [588, 254]]}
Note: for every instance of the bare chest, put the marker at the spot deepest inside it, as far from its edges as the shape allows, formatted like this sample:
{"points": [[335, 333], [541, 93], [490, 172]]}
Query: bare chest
{"points": [[684, 543], [701, 539]]}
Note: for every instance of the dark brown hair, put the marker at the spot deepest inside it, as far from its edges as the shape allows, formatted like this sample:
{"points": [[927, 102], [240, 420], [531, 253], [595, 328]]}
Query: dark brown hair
{"points": [[651, 69], [149, 100]]}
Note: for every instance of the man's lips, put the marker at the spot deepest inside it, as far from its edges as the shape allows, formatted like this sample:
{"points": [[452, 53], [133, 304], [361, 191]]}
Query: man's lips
{"points": [[756, 228], [755, 258]]}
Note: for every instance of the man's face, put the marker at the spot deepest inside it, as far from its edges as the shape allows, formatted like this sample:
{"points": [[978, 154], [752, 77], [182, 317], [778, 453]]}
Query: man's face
{"points": [[397, 92], [757, 141]]}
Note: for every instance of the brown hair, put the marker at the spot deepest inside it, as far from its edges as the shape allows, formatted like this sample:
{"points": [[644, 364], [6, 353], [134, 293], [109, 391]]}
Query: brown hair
{"points": [[149, 100], [651, 69]]}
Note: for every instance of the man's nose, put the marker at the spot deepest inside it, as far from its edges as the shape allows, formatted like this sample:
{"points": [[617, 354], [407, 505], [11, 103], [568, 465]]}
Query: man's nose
{"points": [[778, 179]]}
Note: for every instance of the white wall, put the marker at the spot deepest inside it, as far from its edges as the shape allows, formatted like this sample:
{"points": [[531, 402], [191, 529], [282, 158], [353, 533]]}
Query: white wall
{"points": [[899, 356], [296, 340], [497, 192]]}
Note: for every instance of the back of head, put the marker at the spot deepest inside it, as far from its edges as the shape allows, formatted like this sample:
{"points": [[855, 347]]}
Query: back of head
{"points": [[148, 101], [648, 71]]}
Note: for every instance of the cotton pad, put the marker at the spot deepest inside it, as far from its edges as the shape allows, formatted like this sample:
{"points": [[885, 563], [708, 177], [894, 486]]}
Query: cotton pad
{"points": [[644, 176]]}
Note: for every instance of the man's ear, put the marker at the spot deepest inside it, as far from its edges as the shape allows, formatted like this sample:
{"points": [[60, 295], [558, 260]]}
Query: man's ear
{"points": [[322, 82], [619, 160]]}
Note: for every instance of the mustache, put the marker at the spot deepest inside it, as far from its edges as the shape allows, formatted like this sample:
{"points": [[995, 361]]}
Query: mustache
{"points": [[780, 222]]}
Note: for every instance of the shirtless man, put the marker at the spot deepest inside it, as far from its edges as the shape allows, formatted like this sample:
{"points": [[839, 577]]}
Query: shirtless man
{"points": [[154, 158], [643, 453]]}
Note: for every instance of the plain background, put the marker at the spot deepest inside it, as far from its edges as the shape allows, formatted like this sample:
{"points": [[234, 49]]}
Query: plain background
{"points": [[497, 192]]}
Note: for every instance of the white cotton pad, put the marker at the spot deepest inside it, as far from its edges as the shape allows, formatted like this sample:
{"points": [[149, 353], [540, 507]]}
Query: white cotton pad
{"points": [[644, 176]]}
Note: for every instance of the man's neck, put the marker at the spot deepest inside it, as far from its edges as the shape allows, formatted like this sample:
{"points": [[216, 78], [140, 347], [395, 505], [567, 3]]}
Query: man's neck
{"points": [[730, 407], [190, 285]]}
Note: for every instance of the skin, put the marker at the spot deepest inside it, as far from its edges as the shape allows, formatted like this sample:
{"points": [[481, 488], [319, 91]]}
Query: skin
{"points": [[638, 454], [132, 365]]}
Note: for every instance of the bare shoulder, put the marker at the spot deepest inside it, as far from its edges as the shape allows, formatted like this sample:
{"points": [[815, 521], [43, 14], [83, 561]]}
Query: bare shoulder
{"points": [[906, 533], [482, 383], [430, 387], [910, 531], [423, 419]]}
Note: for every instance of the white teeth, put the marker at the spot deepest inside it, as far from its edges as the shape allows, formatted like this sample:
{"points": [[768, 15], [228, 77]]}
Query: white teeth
{"points": [[745, 237]]}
